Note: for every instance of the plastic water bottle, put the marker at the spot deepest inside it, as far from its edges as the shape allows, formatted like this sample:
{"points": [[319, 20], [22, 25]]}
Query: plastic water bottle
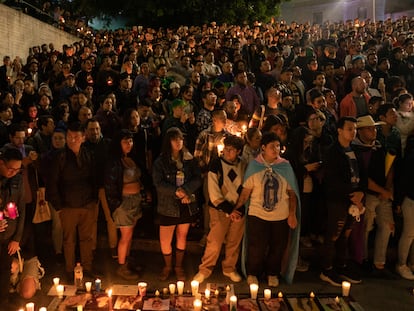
{"points": [[78, 275]]}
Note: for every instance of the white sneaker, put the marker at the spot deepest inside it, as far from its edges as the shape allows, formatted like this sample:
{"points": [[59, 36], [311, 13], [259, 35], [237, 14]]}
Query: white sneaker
{"points": [[199, 277], [273, 281], [251, 279], [405, 272], [233, 276]]}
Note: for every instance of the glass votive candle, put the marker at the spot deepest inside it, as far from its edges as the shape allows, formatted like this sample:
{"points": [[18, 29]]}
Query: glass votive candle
{"points": [[233, 303], [79, 308], [346, 287], [142, 289], [60, 289], [98, 284], [253, 290], [171, 287], [194, 287], [267, 293], [180, 287], [197, 305], [207, 293], [88, 286], [43, 309], [30, 306], [56, 281]]}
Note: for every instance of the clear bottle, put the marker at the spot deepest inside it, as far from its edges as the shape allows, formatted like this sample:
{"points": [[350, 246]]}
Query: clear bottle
{"points": [[78, 275]]}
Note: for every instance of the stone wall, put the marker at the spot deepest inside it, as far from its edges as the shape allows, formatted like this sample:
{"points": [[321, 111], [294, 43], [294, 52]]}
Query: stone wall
{"points": [[19, 32]]}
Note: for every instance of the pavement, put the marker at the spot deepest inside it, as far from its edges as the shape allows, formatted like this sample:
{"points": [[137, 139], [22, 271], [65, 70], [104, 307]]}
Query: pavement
{"points": [[373, 294]]}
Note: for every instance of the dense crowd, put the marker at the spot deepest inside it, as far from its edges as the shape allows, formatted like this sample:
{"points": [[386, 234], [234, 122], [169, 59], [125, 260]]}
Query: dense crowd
{"points": [[302, 134]]}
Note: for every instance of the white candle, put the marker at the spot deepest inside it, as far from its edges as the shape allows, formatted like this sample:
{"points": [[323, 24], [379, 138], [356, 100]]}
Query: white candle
{"points": [[180, 287], [30, 306], [98, 285], [207, 294], [43, 309], [233, 303], [197, 305], [312, 295], [346, 287], [142, 289], [88, 286], [56, 281], [194, 287], [171, 287], [60, 290], [253, 290], [79, 308], [267, 293], [110, 298]]}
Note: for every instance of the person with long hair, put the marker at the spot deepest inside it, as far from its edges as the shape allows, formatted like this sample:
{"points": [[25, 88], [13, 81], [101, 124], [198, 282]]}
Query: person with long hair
{"points": [[176, 177], [122, 189]]}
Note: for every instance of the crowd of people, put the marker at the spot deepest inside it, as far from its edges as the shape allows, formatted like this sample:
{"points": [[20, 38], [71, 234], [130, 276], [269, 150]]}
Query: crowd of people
{"points": [[270, 136]]}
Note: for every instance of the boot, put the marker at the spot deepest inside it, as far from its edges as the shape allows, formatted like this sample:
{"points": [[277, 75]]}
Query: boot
{"points": [[167, 268], [124, 272], [179, 271]]}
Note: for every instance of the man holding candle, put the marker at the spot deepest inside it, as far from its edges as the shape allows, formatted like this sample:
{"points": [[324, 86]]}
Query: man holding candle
{"points": [[12, 203]]}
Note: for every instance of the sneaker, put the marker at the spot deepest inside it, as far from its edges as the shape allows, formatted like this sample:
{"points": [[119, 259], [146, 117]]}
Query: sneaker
{"points": [[302, 265], [251, 279], [233, 276], [349, 275], [199, 277], [273, 281], [405, 272], [331, 277]]}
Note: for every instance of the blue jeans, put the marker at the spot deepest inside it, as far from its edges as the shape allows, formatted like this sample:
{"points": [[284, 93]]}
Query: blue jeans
{"points": [[407, 235], [380, 211]]}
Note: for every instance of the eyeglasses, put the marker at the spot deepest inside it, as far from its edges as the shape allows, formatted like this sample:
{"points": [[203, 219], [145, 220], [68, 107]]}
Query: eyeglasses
{"points": [[12, 169]]}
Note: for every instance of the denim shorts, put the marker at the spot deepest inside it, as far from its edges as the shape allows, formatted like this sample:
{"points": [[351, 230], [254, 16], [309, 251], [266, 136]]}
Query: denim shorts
{"points": [[129, 212]]}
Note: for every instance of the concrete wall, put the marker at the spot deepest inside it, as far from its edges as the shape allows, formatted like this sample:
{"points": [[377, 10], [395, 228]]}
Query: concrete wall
{"points": [[332, 10], [19, 32]]}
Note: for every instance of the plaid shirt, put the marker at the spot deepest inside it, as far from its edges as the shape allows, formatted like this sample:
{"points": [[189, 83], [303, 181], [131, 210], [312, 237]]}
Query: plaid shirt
{"points": [[206, 146]]}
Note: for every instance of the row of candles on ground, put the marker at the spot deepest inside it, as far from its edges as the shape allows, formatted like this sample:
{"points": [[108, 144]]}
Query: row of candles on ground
{"points": [[142, 291]]}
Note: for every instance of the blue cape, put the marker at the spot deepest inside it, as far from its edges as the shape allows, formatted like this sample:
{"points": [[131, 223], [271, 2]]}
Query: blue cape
{"points": [[292, 252]]}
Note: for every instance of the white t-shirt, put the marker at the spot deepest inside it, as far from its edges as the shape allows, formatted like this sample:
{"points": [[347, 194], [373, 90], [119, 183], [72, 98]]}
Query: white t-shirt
{"points": [[256, 183]]}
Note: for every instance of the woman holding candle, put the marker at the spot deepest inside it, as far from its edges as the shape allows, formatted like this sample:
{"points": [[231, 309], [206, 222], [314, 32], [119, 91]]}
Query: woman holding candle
{"points": [[273, 213], [12, 214], [176, 178], [122, 189]]}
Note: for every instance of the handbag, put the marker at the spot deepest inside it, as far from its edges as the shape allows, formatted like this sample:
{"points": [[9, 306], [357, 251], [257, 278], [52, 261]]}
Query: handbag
{"points": [[42, 211]]}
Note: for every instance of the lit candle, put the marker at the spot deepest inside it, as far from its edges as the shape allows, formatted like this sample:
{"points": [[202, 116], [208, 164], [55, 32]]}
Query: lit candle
{"points": [[220, 148], [12, 210], [142, 289], [180, 287], [253, 290], [172, 288], [1, 215], [98, 285], [346, 287], [312, 295], [197, 305], [80, 308], [233, 303], [280, 295], [110, 298], [157, 293], [194, 287], [165, 291], [88, 286], [216, 292], [43, 309], [56, 281], [337, 300], [60, 290], [207, 294], [30, 306], [29, 131], [267, 293]]}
